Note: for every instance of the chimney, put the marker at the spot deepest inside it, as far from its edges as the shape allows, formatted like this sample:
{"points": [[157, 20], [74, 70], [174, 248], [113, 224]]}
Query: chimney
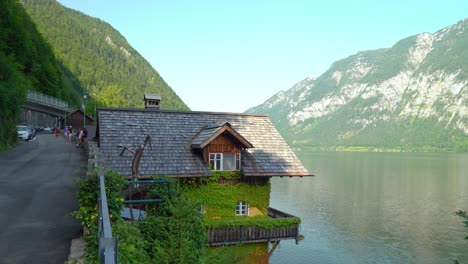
{"points": [[152, 101]]}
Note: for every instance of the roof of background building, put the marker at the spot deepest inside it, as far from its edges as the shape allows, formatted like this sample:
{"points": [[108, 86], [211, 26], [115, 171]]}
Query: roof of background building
{"points": [[152, 96], [78, 111], [173, 133]]}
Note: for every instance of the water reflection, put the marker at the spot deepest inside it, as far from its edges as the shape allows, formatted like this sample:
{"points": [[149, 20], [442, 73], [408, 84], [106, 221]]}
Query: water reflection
{"points": [[376, 208]]}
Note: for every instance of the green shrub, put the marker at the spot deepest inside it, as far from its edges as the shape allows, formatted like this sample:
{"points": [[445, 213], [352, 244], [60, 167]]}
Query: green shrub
{"points": [[87, 196]]}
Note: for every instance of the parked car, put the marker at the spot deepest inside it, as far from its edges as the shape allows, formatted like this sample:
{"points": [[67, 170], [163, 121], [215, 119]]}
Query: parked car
{"points": [[47, 129], [39, 128], [23, 132]]}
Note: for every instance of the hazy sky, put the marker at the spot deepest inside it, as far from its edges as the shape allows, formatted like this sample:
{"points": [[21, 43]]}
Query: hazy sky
{"points": [[229, 56]]}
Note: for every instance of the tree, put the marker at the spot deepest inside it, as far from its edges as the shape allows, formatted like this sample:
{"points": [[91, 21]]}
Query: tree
{"points": [[112, 96], [174, 228]]}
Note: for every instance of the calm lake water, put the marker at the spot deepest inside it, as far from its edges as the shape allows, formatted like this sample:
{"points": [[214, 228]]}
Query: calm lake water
{"points": [[376, 208]]}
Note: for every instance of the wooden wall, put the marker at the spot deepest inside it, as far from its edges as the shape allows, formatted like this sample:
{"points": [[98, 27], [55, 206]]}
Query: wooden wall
{"points": [[224, 143]]}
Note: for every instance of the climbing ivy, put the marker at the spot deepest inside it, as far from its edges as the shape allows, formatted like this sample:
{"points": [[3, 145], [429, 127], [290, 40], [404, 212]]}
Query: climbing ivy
{"points": [[241, 253], [228, 175], [220, 200]]}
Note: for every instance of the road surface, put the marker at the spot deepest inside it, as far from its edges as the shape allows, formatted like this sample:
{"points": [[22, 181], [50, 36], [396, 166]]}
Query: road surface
{"points": [[37, 194]]}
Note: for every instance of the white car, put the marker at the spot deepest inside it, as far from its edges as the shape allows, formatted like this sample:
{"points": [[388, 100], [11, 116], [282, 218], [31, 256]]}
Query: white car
{"points": [[23, 133]]}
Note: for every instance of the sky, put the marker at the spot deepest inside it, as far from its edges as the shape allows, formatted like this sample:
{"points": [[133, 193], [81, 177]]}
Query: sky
{"points": [[229, 56]]}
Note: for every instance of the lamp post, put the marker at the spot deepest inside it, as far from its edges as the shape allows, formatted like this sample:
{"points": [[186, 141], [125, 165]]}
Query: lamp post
{"points": [[85, 96], [64, 117]]}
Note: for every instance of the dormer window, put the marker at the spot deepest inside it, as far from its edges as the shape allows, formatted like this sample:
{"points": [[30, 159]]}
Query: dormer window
{"points": [[225, 161], [220, 146]]}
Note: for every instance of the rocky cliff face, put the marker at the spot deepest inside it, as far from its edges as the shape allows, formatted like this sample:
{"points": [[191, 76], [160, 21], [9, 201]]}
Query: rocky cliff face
{"points": [[411, 96]]}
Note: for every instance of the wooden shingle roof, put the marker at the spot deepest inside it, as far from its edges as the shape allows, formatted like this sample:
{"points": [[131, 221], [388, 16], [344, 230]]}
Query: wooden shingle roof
{"points": [[174, 132], [209, 133]]}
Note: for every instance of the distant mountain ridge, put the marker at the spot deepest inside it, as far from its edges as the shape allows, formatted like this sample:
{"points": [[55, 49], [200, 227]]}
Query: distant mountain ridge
{"points": [[113, 72], [412, 96]]}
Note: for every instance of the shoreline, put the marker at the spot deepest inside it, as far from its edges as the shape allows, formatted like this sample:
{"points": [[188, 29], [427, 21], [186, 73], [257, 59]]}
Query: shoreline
{"points": [[375, 149]]}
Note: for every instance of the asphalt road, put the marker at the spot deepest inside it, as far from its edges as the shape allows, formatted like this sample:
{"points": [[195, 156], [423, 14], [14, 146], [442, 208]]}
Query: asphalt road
{"points": [[37, 194]]}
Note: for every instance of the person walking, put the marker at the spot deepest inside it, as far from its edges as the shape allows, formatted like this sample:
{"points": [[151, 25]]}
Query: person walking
{"points": [[70, 133], [81, 137], [79, 140], [56, 132]]}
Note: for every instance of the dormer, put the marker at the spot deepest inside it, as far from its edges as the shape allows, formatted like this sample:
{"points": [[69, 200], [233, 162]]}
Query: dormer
{"points": [[152, 101], [221, 146]]}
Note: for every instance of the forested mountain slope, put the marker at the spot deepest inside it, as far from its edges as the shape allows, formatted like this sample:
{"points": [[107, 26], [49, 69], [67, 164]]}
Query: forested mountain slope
{"points": [[411, 97], [26, 63], [112, 71]]}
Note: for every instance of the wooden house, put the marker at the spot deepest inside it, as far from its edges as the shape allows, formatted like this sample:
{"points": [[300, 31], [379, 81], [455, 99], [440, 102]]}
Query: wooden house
{"points": [[75, 119], [189, 144]]}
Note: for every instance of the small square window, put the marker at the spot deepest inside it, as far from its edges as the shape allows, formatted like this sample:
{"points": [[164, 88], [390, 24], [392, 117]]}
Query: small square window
{"points": [[242, 208]]}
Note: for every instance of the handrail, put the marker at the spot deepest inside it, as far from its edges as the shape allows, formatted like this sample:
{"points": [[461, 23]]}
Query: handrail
{"points": [[108, 245], [48, 100]]}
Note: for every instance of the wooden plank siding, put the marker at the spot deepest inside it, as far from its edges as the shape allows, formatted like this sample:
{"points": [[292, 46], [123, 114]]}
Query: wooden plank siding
{"points": [[224, 143], [252, 234]]}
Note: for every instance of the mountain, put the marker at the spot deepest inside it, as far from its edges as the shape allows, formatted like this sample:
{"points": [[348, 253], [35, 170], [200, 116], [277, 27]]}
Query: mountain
{"points": [[113, 72], [411, 97], [27, 62]]}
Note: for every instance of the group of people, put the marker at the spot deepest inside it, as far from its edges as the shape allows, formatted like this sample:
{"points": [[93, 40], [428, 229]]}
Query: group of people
{"points": [[68, 131]]}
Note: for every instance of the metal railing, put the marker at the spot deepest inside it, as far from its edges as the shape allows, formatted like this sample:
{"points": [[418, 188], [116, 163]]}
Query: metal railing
{"points": [[108, 245], [48, 100]]}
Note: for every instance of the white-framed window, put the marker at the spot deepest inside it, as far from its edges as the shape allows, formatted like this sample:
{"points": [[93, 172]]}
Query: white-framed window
{"points": [[242, 208], [238, 161], [215, 161], [225, 161]]}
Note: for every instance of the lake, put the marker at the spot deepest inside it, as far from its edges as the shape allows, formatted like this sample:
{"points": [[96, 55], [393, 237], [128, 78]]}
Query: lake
{"points": [[376, 208]]}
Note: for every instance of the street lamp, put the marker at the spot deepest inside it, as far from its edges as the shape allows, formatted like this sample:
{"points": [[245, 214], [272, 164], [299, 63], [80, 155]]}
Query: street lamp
{"points": [[65, 117], [85, 96]]}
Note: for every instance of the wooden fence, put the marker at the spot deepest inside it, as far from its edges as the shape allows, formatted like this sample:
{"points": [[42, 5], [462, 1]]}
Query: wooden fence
{"points": [[251, 234]]}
